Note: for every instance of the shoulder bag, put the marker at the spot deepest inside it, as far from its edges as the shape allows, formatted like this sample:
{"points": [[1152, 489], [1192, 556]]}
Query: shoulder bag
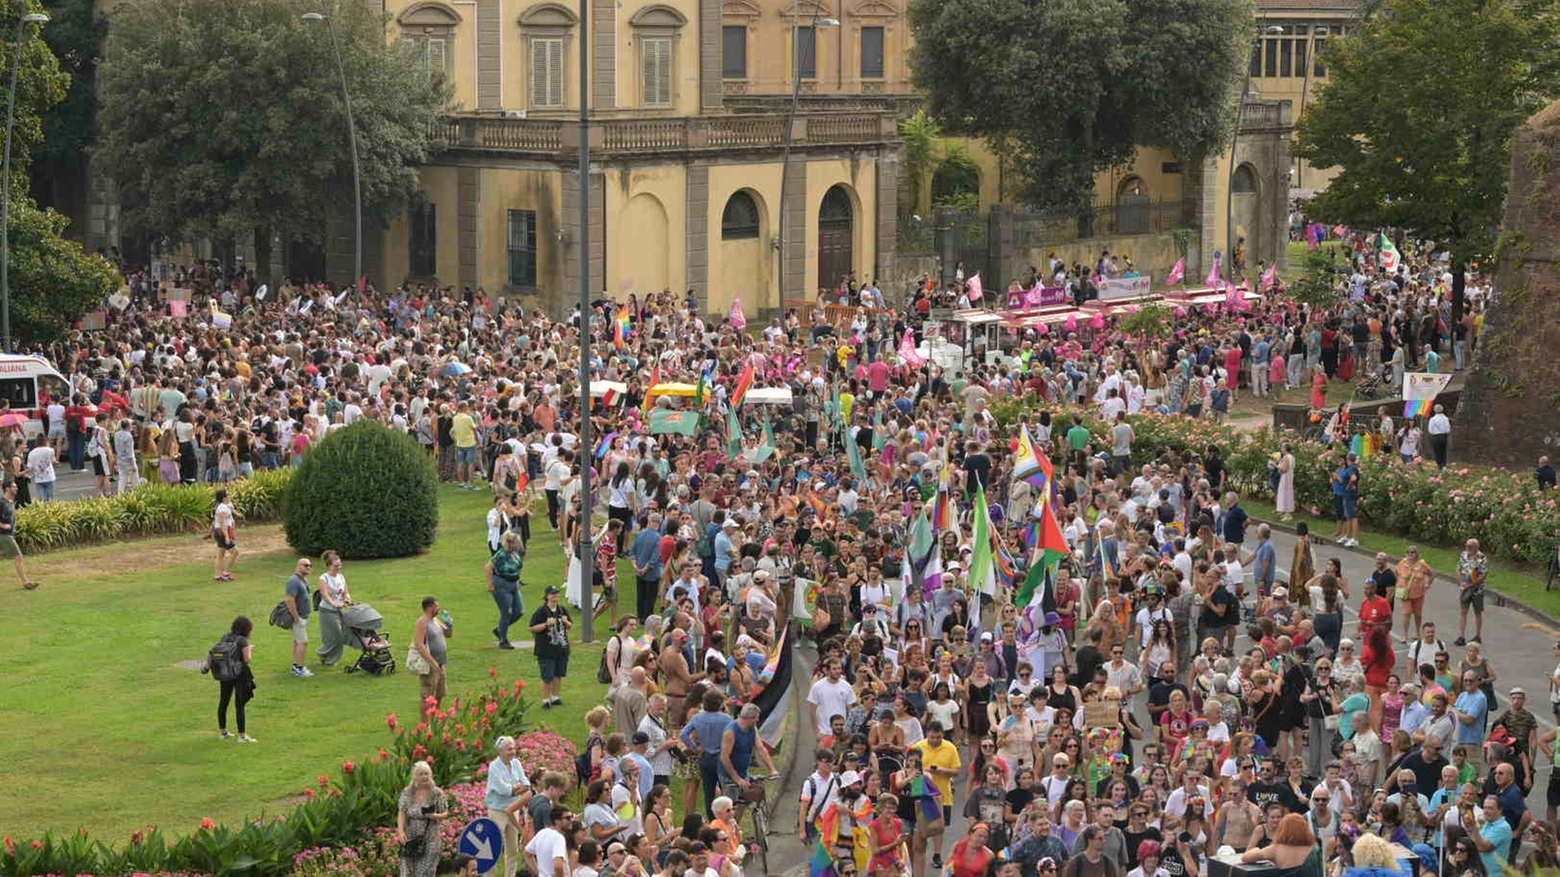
{"points": [[416, 664]]}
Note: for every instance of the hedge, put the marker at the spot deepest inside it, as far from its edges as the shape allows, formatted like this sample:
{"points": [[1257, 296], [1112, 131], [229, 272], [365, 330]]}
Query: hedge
{"points": [[153, 509], [1504, 510], [344, 826]]}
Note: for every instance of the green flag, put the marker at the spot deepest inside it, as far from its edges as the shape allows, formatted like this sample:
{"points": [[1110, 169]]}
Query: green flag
{"points": [[733, 435], [980, 562], [921, 541], [858, 469], [767, 448], [663, 420], [879, 440]]}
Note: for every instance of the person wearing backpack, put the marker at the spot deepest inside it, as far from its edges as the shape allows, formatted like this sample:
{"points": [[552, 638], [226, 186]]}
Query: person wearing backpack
{"points": [[228, 662]]}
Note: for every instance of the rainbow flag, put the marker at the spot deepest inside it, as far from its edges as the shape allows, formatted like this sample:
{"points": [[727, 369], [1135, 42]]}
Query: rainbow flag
{"points": [[655, 380], [942, 511], [605, 444], [929, 795], [620, 329], [1027, 465], [1417, 407], [744, 383], [1003, 563], [1363, 445], [1107, 569], [822, 863]]}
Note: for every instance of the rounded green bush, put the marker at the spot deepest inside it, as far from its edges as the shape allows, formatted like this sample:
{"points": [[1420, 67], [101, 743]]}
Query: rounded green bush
{"points": [[366, 491]]}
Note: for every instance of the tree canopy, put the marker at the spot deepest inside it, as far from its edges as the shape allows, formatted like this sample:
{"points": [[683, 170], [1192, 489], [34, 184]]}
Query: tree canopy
{"points": [[1077, 85], [219, 119], [1418, 113]]}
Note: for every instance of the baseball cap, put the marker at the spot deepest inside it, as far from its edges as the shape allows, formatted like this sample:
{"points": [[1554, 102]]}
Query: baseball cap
{"points": [[849, 778], [640, 738], [985, 636], [1517, 690], [554, 589]]}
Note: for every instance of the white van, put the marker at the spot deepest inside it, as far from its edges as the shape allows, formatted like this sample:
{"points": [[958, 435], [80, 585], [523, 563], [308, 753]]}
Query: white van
{"points": [[30, 384]]}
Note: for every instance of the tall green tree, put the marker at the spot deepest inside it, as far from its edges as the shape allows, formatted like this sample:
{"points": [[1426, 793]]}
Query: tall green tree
{"points": [[52, 280], [1077, 85], [221, 119], [1417, 115], [75, 35]]}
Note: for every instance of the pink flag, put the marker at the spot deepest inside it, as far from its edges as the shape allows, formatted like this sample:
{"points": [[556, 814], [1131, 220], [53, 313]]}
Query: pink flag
{"points": [[1180, 313], [1178, 273], [1215, 274], [907, 352], [1098, 322], [1270, 277], [1072, 322], [735, 318], [178, 308], [1043, 328], [975, 288]]}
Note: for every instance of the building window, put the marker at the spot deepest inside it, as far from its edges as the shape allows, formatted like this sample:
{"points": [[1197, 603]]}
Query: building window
{"points": [[872, 53], [807, 51], [656, 70], [739, 221], [423, 243], [431, 54], [522, 248], [547, 72], [733, 51]]}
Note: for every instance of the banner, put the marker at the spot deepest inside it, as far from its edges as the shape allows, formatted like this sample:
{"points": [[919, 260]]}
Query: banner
{"points": [[1124, 287], [1424, 386], [1037, 296]]}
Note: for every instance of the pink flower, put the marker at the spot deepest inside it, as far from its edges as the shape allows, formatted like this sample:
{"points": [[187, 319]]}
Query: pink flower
{"points": [[492, 672], [348, 767], [206, 824], [493, 707], [324, 781], [392, 721], [308, 793]]}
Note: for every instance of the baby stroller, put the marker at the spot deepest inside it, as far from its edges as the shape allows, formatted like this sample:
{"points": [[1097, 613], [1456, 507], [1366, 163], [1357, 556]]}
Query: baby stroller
{"points": [[363, 623], [1371, 385]]}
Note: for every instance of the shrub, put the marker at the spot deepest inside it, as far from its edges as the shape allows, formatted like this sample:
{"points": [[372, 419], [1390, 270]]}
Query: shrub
{"points": [[366, 491]]}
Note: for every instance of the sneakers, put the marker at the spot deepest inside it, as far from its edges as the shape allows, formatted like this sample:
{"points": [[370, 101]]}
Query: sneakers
{"points": [[506, 645], [302, 672], [245, 738], [1459, 642], [546, 704], [937, 861], [1476, 640], [225, 735], [1350, 542], [1341, 540]]}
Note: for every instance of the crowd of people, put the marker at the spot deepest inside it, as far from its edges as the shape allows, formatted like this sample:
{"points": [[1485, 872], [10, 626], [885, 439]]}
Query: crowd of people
{"points": [[1106, 725]]}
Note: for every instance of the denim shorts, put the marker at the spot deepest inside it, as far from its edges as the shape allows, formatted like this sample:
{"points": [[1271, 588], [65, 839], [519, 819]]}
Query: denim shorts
{"points": [[553, 667], [466, 455], [1350, 506]]}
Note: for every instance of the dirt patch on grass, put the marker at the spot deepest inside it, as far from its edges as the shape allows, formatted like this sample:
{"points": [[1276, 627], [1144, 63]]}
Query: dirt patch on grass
{"points": [[141, 556]]}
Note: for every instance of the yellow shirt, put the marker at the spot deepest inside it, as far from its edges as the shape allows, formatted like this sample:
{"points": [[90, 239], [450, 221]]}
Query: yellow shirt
{"points": [[464, 428], [944, 756], [847, 405]]}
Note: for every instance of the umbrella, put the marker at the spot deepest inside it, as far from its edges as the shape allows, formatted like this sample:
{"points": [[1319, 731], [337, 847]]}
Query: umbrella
{"points": [[12, 418], [453, 368]]}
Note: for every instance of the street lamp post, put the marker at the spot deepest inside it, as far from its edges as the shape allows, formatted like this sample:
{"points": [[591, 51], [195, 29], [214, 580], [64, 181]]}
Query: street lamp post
{"points": [[357, 177], [790, 126], [1229, 184], [587, 505], [5, 196]]}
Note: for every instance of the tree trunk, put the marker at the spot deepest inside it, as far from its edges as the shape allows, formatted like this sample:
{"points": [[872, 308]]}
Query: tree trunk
{"points": [[263, 255]]}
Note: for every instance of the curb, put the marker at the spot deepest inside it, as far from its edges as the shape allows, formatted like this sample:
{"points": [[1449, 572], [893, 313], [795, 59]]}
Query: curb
{"points": [[1500, 598]]}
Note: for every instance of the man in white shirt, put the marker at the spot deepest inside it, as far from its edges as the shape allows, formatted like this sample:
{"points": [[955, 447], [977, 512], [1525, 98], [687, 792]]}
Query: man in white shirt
{"points": [[1122, 674], [40, 467], [1191, 791], [830, 696], [548, 854], [1440, 430]]}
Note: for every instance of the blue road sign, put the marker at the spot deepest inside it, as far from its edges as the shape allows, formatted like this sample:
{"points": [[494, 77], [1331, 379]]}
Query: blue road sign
{"points": [[482, 840]]}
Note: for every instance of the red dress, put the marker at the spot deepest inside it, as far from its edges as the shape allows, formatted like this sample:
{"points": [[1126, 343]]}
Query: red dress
{"points": [[888, 832], [1377, 666]]}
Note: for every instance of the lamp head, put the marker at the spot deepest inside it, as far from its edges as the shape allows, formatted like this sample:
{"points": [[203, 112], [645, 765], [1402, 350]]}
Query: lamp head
{"points": [[35, 17], [313, 16], [827, 22]]}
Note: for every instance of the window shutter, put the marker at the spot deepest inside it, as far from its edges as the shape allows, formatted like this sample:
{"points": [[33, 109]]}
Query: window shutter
{"points": [[657, 71], [435, 55], [547, 72]]}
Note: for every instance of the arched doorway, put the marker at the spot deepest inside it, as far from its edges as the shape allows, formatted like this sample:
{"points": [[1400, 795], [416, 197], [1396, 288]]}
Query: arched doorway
{"points": [[1132, 206], [836, 252], [1246, 208]]}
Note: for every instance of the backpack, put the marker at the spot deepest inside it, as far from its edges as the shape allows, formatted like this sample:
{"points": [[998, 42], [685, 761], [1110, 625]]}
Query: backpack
{"points": [[225, 660], [603, 672], [706, 544], [583, 769]]}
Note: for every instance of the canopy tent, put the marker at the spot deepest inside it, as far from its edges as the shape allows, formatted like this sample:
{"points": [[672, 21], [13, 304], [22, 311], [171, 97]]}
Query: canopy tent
{"points": [[666, 389], [600, 388], [768, 396]]}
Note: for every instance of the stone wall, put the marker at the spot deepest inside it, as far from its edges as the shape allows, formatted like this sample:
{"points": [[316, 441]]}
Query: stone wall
{"points": [[1510, 412], [1153, 254]]}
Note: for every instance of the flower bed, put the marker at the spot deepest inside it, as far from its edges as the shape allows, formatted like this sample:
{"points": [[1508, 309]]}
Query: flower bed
{"points": [[344, 825], [1504, 510], [149, 510]]}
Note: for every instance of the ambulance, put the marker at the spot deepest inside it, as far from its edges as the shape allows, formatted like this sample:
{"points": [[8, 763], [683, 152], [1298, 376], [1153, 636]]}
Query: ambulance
{"points": [[29, 384]]}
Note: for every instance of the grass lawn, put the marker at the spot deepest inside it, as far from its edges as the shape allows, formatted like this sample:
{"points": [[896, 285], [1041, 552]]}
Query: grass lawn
{"points": [[1519, 582], [103, 729], [1298, 249]]}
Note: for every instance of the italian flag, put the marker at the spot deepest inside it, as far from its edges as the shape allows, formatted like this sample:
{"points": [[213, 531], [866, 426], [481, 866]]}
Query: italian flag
{"points": [[1389, 255]]}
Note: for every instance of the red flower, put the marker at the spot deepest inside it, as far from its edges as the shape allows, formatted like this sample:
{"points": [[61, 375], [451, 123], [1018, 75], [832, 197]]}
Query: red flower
{"points": [[430, 700], [419, 751], [384, 753], [492, 672], [492, 708], [206, 824], [10, 846], [460, 745], [430, 759], [136, 838], [348, 767], [37, 844], [392, 721], [308, 793], [324, 781]]}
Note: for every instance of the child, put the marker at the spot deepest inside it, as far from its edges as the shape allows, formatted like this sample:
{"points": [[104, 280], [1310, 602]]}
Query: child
{"points": [[1467, 772]]}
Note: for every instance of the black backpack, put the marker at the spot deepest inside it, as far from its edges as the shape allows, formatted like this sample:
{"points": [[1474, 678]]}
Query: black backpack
{"points": [[225, 661]]}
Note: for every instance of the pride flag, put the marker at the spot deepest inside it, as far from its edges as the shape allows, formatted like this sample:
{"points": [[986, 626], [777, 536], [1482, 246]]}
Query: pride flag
{"points": [[908, 355], [942, 511], [620, 329], [1026, 464], [1417, 407], [605, 444], [655, 380], [1178, 273], [744, 383], [1270, 277]]}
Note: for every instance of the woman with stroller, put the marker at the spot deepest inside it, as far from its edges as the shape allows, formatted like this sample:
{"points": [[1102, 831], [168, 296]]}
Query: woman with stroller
{"points": [[334, 597]]}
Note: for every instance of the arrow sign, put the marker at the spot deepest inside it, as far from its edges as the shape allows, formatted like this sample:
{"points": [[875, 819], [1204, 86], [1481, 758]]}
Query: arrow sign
{"points": [[482, 840]]}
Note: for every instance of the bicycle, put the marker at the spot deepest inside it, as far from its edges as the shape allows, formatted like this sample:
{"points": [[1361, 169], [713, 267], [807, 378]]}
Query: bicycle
{"points": [[762, 809]]}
